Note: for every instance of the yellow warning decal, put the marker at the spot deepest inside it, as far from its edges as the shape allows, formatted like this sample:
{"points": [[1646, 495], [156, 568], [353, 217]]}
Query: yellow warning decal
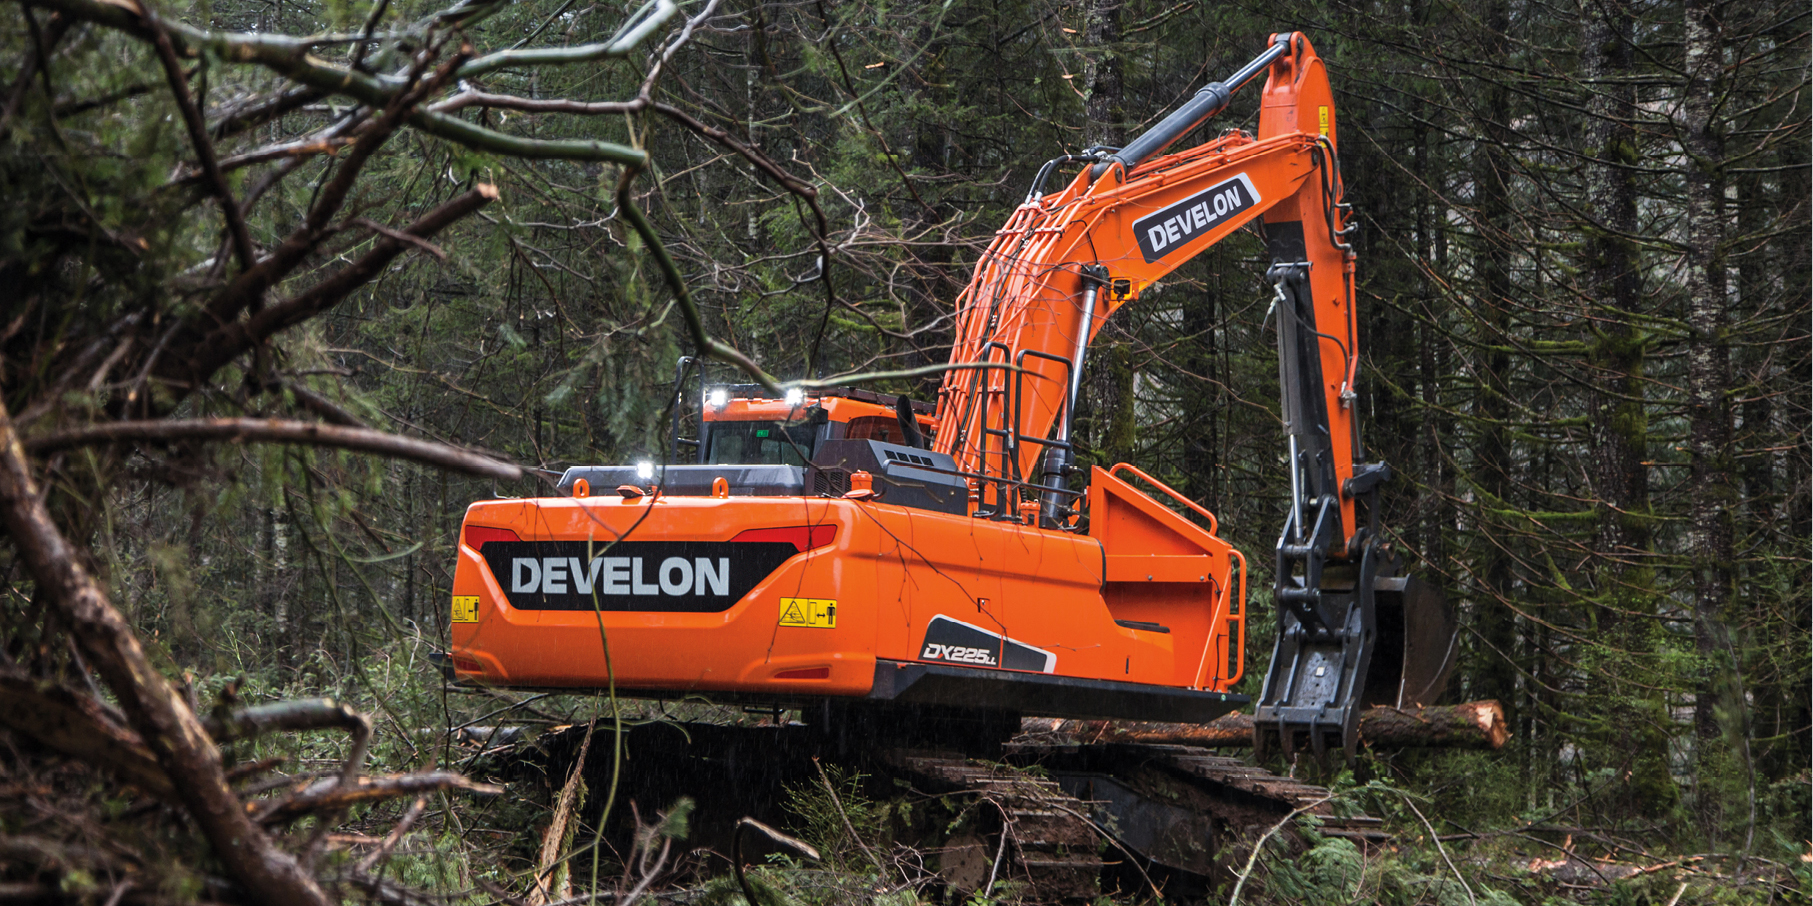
{"points": [[816, 613], [465, 608], [1322, 115]]}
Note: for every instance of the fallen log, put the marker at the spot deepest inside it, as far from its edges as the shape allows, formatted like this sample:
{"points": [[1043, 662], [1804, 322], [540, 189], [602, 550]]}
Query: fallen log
{"points": [[1474, 725]]}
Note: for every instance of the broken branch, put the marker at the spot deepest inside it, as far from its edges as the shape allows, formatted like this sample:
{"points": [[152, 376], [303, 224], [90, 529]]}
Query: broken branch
{"points": [[332, 795], [82, 728]]}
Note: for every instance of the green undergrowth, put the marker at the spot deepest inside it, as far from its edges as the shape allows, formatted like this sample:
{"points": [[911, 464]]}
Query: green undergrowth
{"points": [[1462, 832]]}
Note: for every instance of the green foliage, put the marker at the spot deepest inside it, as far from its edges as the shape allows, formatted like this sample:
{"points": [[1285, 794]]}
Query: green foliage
{"points": [[826, 817], [1329, 872]]}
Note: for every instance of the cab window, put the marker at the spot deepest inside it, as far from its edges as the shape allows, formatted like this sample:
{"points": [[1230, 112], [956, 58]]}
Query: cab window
{"points": [[759, 442], [875, 427]]}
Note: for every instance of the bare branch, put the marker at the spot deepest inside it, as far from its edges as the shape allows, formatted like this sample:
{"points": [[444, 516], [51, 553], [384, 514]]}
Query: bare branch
{"points": [[676, 282], [322, 406], [198, 135], [288, 149], [395, 836], [401, 236], [280, 431], [304, 714], [870, 377], [619, 45], [476, 98], [290, 57], [230, 339], [331, 795]]}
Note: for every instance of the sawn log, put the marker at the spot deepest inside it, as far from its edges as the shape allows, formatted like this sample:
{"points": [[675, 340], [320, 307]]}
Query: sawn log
{"points": [[1474, 725]]}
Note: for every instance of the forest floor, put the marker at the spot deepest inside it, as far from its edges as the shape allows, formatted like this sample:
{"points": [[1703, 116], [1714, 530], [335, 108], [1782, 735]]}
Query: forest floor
{"points": [[67, 835]]}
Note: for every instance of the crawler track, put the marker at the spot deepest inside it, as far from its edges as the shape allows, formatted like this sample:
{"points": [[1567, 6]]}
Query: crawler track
{"points": [[1176, 809], [1182, 807], [1051, 841]]}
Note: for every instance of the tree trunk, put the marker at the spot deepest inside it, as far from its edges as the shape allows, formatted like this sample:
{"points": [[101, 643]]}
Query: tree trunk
{"points": [[1114, 378], [1709, 535], [1102, 91], [1619, 417], [1495, 668]]}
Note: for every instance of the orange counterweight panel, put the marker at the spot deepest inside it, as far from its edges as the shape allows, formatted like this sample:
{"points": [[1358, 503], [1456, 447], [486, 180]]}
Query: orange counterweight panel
{"points": [[857, 581]]}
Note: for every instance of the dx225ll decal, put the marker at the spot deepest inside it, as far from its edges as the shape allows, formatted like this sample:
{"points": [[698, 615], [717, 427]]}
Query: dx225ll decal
{"points": [[955, 642]]}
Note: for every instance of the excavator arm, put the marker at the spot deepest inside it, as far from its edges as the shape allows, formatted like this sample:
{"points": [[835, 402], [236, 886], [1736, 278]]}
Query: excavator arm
{"points": [[1066, 261]]}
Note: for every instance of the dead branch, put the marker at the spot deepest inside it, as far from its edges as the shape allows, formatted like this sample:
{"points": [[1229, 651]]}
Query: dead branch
{"points": [[329, 410], [291, 57], [155, 709], [676, 283], [198, 136], [305, 148], [401, 236], [475, 98], [231, 338], [248, 289], [306, 714], [546, 886], [331, 795], [53, 854], [395, 836], [279, 431], [82, 728]]}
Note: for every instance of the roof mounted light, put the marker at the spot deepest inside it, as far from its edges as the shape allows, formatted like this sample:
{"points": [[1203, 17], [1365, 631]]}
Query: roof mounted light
{"points": [[795, 396], [645, 470], [717, 398]]}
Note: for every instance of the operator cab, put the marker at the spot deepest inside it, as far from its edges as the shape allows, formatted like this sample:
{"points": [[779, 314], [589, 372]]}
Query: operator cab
{"points": [[799, 445], [741, 425]]}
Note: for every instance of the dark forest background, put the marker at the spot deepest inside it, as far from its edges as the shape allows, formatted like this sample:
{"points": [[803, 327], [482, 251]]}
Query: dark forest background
{"points": [[1583, 264]]}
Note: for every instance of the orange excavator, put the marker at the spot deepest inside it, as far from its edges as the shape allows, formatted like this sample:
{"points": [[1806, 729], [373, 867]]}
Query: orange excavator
{"points": [[848, 549]]}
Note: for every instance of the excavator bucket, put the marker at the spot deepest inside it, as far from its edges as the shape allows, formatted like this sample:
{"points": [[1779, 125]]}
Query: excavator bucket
{"points": [[1416, 646], [1393, 644]]}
